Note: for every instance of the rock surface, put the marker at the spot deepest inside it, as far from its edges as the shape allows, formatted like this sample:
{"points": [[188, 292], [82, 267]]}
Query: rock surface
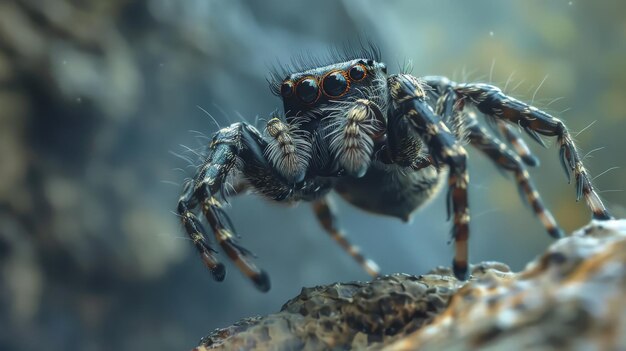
{"points": [[571, 297]]}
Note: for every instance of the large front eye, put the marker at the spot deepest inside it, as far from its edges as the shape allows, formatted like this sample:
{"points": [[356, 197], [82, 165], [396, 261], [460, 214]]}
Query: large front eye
{"points": [[307, 90], [357, 72], [335, 84]]}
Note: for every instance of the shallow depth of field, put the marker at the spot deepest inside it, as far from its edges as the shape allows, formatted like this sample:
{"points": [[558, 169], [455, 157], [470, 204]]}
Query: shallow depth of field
{"points": [[96, 95]]}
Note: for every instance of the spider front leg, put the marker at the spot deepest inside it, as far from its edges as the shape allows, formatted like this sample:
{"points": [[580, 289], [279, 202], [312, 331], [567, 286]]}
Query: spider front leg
{"points": [[493, 102], [197, 233], [409, 102], [229, 145]]}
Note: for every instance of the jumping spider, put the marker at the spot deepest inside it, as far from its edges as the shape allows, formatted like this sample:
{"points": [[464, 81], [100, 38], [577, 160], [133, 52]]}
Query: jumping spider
{"points": [[385, 143]]}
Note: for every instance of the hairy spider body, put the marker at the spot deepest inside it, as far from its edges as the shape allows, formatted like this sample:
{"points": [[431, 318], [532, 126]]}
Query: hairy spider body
{"points": [[385, 143]]}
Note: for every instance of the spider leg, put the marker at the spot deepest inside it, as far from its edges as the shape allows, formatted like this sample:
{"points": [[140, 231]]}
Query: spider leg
{"points": [[493, 102], [197, 233], [409, 102], [228, 146], [499, 153], [326, 215], [224, 234], [447, 106], [518, 144]]}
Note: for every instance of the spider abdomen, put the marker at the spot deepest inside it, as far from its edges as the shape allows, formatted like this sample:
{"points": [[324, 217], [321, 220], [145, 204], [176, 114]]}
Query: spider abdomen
{"points": [[391, 192]]}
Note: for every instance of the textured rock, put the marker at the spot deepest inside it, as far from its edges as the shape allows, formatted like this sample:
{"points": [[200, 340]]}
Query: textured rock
{"points": [[571, 297]]}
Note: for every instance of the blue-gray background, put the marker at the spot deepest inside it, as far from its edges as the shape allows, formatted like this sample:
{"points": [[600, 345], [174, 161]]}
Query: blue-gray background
{"points": [[94, 95]]}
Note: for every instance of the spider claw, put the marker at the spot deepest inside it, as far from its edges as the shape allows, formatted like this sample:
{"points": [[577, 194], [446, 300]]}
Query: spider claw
{"points": [[262, 281], [219, 272], [217, 268], [602, 216], [460, 270]]}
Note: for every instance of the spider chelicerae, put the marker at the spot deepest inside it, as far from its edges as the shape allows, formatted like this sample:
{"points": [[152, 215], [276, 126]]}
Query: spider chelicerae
{"points": [[385, 143]]}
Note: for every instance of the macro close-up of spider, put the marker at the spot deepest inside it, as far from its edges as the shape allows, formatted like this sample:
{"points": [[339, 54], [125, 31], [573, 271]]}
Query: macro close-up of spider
{"points": [[312, 175], [386, 143]]}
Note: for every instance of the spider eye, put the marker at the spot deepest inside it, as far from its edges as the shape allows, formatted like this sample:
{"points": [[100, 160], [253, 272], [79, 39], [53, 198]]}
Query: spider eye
{"points": [[335, 84], [307, 90], [286, 89], [357, 72]]}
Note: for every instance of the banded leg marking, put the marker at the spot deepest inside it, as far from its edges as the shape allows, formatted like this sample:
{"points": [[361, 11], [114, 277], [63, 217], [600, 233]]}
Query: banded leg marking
{"points": [[499, 153], [197, 234], [225, 149], [224, 235], [493, 102], [409, 101], [326, 215], [519, 145]]}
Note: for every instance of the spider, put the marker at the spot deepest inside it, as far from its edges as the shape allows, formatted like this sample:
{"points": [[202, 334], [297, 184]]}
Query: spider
{"points": [[385, 143]]}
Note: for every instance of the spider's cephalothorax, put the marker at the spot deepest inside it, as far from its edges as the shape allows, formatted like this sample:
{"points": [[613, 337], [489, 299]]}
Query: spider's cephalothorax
{"points": [[385, 143], [334, 113]]}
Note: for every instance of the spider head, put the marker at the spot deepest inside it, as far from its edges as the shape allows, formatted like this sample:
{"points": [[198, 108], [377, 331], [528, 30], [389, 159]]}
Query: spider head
{"points": [[328, 110], [311, 92]]}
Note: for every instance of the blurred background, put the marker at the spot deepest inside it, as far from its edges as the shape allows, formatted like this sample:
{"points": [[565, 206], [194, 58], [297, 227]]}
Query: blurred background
{"points": [[94, 95]]}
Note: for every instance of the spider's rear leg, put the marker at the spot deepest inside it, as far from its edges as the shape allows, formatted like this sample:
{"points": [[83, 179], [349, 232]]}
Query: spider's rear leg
{"points": [[518, 144], [326, 216], [409, 102], [498, 152], [493, 102]]}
